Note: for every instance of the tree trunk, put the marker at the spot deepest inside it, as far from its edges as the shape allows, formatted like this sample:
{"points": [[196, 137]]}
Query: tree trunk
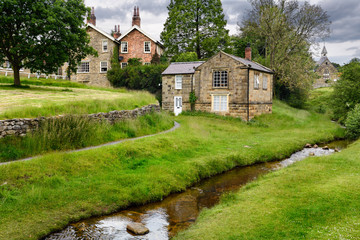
{"points": [[16, 70]]}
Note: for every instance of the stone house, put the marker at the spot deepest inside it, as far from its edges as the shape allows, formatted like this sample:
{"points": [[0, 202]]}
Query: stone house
{"points": [[135, 43], [327, 73], [225, 85]]}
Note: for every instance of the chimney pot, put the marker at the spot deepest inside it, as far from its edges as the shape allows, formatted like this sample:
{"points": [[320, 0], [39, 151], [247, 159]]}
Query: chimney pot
{"points": [[136, 18]]}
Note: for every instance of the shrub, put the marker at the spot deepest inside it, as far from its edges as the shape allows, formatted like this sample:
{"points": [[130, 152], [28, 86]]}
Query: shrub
{"points": [[353, 123], [144, 77]]}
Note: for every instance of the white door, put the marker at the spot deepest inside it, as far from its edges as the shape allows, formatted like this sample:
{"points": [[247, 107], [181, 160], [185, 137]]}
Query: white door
{"points": [[177, 105]]}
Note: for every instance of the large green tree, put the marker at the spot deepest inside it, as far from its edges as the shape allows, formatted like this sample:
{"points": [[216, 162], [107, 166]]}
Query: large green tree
{"points": [[195, 26], [287, 28], [43, 34]]}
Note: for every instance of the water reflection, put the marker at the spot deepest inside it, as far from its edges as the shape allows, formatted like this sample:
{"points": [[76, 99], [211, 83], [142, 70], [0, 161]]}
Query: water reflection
{"points": [[176, 212]]}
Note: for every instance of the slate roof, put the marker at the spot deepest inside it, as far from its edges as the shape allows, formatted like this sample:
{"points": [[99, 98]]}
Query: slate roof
{"points": [[251, 64], [182, 68]]}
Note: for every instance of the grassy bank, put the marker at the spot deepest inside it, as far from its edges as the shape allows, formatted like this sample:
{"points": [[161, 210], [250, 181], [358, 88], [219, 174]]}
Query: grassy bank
{"points": [[317, 198], [74, 132], [45, 194], [50, 101], [320, 100]]}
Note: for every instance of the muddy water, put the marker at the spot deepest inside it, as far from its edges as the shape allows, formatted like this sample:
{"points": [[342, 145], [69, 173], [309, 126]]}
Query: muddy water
{"points": [[176, 212]]}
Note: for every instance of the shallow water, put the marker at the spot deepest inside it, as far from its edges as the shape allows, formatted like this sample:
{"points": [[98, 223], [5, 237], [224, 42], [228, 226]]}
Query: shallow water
{"points": [[177, 211]]}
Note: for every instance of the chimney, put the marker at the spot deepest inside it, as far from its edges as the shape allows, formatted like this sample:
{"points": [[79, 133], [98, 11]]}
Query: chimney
{"points": [[117, 33], [248, 52], [92, 19], [136, 18]]}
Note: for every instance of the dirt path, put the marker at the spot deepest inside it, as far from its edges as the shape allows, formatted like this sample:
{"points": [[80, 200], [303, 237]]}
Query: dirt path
{"points": [[176, 125]]}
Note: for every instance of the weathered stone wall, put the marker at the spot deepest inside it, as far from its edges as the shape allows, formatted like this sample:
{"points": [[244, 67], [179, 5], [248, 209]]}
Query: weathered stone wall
{"points": [[95, 77], [169, 92], [135, 40], [20, 127]]}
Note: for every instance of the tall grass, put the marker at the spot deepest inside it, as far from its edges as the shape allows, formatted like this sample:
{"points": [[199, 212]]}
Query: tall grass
{"points": [[74, 132]]}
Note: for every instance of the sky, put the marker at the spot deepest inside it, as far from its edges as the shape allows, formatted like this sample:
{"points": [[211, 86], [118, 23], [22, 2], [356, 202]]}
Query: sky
{"points": [[342, 45]]}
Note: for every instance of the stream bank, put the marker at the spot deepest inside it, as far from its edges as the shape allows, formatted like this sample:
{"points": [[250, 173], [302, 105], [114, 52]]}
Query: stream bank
{"points": [[178, 211]]}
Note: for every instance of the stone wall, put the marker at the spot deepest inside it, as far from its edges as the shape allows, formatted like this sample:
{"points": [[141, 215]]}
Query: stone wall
{"points": [[20, 127], [95, 77], [169, 92]]}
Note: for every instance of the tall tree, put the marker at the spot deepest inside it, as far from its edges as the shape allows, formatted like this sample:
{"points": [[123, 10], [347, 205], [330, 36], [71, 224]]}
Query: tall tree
{"points": [[43, 34], [288, 29], [195, 26]]}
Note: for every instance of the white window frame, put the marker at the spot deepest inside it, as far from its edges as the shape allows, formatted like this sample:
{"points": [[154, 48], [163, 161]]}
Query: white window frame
{"points": [[256, 80], [222, 105], [222, 75], [149, 47], [101, 67], [83, 62], [105, 45], [178, 81], [147, 63], [265, 82], [123, 46], [124, 64]]}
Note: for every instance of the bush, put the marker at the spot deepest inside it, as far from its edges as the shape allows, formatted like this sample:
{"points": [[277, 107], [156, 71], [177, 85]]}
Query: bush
{"points": [[144, 77], [353, 123]]}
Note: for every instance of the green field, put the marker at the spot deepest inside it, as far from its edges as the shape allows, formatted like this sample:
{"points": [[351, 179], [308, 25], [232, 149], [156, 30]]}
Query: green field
{"points": [[45, 194], [56, 97]]}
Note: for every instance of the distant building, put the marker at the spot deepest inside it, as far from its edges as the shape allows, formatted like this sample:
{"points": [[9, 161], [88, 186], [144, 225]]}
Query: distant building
{"points": [[327, 73], [225, 85], [135, 43]]}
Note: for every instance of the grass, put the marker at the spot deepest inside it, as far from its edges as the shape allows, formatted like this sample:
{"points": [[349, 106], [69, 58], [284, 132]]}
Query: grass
{"points": [[74, 132], [45, 194], [50, 101], [317, 198], [320, 100]]}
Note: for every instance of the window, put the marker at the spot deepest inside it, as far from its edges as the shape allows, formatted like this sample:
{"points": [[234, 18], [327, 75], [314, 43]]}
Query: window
{"points": [[123, 65], [105, 45], [147, 63], [147, 47], [326, 74], [265, 82], [256, 81], [124, 47], [103, 67], [178, 82], [220, 79], [84, 67], [220, 103]]}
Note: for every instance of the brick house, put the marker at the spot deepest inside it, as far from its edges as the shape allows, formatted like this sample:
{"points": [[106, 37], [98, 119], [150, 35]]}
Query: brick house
{"points": [[225, 85], [135, 43], [326, 71]]}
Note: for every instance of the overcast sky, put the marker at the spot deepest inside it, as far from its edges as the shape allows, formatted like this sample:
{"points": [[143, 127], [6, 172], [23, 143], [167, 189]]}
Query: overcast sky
{"points": [[342, 46]]}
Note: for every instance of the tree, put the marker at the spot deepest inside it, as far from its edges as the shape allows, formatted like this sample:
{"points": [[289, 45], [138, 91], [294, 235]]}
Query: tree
{"points": [[42, 35], [195, 26], [288, 29], [346, 90], [185, 57]]}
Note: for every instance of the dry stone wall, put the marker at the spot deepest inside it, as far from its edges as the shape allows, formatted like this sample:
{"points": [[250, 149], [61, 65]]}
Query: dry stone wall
{"points": [[22, 126]]}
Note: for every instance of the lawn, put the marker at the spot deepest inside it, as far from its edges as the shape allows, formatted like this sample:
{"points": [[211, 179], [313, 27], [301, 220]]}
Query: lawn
{"points": [[320, 100], [317, 198], [45, 194], [35, 101]]}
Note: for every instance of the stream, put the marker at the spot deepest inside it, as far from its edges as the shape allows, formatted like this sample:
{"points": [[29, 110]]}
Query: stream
{"points": [[178, 211]]}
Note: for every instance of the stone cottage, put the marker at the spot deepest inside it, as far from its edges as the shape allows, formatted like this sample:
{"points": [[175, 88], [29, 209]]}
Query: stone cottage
{"points": [[225, 85], [135, 43], [326, 71]]}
